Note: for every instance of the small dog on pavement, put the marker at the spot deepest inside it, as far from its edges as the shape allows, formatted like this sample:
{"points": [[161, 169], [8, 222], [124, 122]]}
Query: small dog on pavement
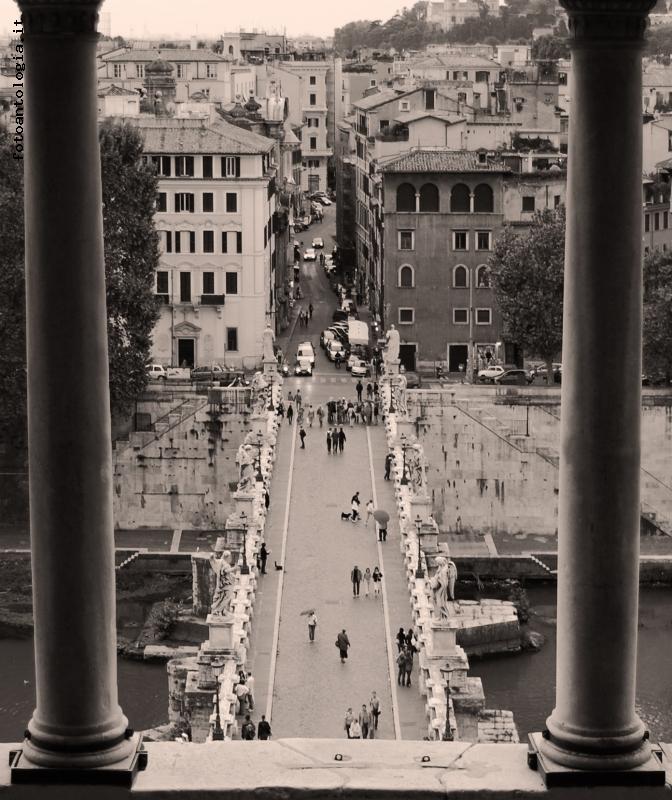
{"points": [[345, 515]]}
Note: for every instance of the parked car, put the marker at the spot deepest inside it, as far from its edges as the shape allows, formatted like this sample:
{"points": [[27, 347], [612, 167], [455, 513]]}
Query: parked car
{"points": [[303, 367], [514, 377], [305, 350], [333, 347], [339, 315], [413, 380], [201, 374], [318, 241], [156, 372], [489, 374], [540, 371], [359, 368], [309, 254], [324, 200]]}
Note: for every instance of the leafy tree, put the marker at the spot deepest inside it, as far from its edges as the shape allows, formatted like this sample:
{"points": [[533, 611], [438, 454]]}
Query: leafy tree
{"points": [[657, 328], [550, 48], [527, 272]]}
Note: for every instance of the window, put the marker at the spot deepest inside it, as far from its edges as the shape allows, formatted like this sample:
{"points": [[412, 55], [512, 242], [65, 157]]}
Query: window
{"points": [[406, 316], [556, 200], [181, 71], [483, 199], [460, 316], [184, 165], [665, 220], [406, 240], [231, 166], [139, 70], [460, 240], [482, 76], [312, 80], [404, 105], [208, 283], [178, 242], [312, 100], [184, 201], [384, 125], [239, 242], [162, 282], [406, 197], [429, 99], [211, 70], [231, 202], [208, 201], [116, 70], [528, 202], [192, 241], [168, 241], [429, 197], [161, 202], [207, 166], [461, 97], [482, 240], [483, 316], [483, 277], [185, 287], [313, 142], [208, 241], [460, 277], [232, 283], [406, 277], [647, 223], [372, 82], [225, 242], [656, 221], [459, 198], [232, 338], [162, 164]]}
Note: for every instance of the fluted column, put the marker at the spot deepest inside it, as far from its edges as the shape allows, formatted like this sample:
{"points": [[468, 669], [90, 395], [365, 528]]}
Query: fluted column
{"points": [[594, 724], [77, 721]]}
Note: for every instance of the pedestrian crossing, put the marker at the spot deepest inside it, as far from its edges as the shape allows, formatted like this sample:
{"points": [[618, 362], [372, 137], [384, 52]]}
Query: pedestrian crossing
{"points": [[327, 378]]}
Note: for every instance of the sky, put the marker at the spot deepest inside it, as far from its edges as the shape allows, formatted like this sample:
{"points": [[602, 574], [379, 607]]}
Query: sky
{"points": [[209, 18]]}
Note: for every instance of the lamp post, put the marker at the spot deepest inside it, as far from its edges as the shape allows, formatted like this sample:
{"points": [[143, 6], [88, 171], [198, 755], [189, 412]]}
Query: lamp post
{"points": [[419, 572], [217, 666], [404, 478], [392, 408], [260, 444], [244, 570], [448, 735]]}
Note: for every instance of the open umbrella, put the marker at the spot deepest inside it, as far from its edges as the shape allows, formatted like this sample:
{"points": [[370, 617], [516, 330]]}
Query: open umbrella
{"points": [[307, 612], [381, 516]]}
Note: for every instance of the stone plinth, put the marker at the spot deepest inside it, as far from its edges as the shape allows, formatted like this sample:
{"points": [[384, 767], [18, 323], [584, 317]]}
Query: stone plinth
{"points": [[421, 506], [259, 424], [406, 428], [221, 634], [429, 535], [392, 367], [244, 505], [444, 638], [271, 370]]}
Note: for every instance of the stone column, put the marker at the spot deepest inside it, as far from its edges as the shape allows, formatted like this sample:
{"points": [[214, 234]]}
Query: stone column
{"points": [[594, 724], [77, 721]]}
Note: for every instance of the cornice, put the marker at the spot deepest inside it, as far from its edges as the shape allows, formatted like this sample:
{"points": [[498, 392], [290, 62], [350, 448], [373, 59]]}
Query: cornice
{"points": [[59, 17], [607, 21]]}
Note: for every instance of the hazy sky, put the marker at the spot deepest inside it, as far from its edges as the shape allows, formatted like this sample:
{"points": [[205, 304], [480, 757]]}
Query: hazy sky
{"points": [[211, 17]]}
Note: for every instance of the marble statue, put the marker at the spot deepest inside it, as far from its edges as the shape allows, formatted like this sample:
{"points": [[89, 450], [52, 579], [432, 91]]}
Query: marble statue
{"points": [[400, 394], [223, 594], [442, 584], [245, 460], [392, 342], [267, 340], [416, 469]]}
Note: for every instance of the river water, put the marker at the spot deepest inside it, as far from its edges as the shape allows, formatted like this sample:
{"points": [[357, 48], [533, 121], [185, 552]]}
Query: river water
{"points": [[523, 683]]}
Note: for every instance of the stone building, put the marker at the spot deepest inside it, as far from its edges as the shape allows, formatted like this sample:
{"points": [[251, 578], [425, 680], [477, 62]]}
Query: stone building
{"points": [[447, 14]]}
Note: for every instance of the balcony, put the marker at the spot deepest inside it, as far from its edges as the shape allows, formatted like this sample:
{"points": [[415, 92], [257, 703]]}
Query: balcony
{"points": [[212, 299], [399, 133]]}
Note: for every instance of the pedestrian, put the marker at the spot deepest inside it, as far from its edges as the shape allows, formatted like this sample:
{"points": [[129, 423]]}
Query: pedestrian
{"points": [[310, 308], [311, 416], [297, 398], [411, 641], [351, 414], [290, 396], [264, 729], [401, 639], [267, 499], [302, 434], [382, 531], [377, 578], [343, 643], [401, 668], [355, 730], [329, 440], [356, 578], [312, 623], [388, 462], [374, 705], [241, 691], [290, 413], [354, 504], [369, 511], [263, 555], [337, 360], [369, 391], [320, 415], [349, 719], [341, 440], [375, 388], [409, 665], [281, 410], [360, 388], [250, 691], [247, 731], [334, 441], [364, 721], [367, 581], [299, 417], [376, 410]]}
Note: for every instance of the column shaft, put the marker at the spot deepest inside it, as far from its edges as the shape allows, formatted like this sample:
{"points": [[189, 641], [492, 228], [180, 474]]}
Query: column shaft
{"points": [[77, 720], [594, 721]]}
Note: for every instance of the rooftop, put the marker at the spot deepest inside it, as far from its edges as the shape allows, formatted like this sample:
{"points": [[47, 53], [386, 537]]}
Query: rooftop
{"points": [[168, 54], [200, 136], [439, 160], [413, 116], [378, 99]]}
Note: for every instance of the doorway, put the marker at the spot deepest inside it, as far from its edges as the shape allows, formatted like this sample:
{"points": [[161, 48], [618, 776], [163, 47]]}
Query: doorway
{"points": [[186, 352], [407, 354], [457, 354], [313, 183]]}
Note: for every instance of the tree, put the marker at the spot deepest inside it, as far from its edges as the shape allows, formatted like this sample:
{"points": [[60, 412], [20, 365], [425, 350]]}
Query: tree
{"points": [[550, 48], [527, 273], [657, 328], [131, 258]]}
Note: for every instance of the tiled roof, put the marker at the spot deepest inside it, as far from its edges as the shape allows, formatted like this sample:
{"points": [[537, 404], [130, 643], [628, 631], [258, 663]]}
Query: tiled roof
{"points": [[413, 116], [115, 90], [166, 53], [439, 160], [377, 99], [199, 136]]}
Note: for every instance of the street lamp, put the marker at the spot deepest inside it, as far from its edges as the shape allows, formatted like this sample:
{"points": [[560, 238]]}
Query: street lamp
{"points": [[260, 444], [419, 572], [448, 735], [218, 664], [404, 477], [244, 570]]}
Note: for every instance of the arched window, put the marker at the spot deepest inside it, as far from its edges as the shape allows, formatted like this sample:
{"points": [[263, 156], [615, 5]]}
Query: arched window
{"points": [[459, 198], [460, 277], [406, 197], [483, 198], [429, 198], [406, 277], [483, 277]]}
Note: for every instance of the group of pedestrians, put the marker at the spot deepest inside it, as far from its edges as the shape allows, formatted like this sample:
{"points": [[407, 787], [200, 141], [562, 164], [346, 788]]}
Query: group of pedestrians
{"points": [[263, 730], [407, 645], [335, 440], [305, 316], [244, 691], [357, 577], [365, 724], [341, 412]]}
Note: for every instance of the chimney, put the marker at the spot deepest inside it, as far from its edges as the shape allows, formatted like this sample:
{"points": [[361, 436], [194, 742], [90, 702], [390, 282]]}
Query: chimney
{"points": [[193, 45]]}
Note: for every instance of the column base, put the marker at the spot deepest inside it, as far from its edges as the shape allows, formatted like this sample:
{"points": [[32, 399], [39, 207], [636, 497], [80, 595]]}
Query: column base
{"points": [[597, 772], [119, 773]]}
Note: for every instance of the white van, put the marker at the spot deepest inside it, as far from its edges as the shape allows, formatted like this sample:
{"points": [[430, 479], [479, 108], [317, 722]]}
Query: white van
{"points": [[305, 351]]}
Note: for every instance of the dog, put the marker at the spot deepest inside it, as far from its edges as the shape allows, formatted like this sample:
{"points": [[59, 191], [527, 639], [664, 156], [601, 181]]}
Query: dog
{"points": [[345, 515], [277, 566]]}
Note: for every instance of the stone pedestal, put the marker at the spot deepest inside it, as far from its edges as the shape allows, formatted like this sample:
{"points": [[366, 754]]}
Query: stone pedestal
{"points": [[406, 428], [429, 536], [259, 423], [271, 370], [444, 639], [421, 506], [244, 505], [221, 634], [392, 367]]}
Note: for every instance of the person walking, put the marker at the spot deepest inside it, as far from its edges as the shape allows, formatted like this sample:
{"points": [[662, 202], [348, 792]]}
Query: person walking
{"points": [[374, 706], [360, 388], [355, 730], [367, 581], [290, 414], [388, 463], [310, 311], [297, 399], [351, 414], [356, 578], [343, 643], [281, 410], [247, 731], [320, 415], [312, 624], [302, 435], [334, 441], [369, 391], [354, 504], [299, 417], [263, 556], [263, 729], [349, 719], [401, 639], [241, 692], [411, 641], [364, 721], [377, 578], [369, 511], [341, 440], [250, 691], [401, 668], [375, 412], [329, 441], [382, 531], [337, 360], [311, 416], [409, 665]]}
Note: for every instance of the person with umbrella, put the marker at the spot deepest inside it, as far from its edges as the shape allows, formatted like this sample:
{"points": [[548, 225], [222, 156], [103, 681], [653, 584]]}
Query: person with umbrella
{"points": [[382, 518], [312, 622]]}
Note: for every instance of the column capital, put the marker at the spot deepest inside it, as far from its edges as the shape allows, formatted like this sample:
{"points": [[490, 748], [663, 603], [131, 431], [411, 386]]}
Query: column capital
{"points": [[55, 17], [607, 20]]}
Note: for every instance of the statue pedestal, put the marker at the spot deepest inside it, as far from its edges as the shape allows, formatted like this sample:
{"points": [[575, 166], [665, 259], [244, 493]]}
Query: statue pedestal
{"points": [[270, 370], [421, 506], [392, 367], [429, 536], [406, 428], [259, 423], [244, 504], [221, 634], [444, 639]]}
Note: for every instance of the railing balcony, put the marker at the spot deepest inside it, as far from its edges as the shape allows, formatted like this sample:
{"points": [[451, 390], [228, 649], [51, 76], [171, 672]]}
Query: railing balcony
{"points": [[393, 135], [212, 299]]}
